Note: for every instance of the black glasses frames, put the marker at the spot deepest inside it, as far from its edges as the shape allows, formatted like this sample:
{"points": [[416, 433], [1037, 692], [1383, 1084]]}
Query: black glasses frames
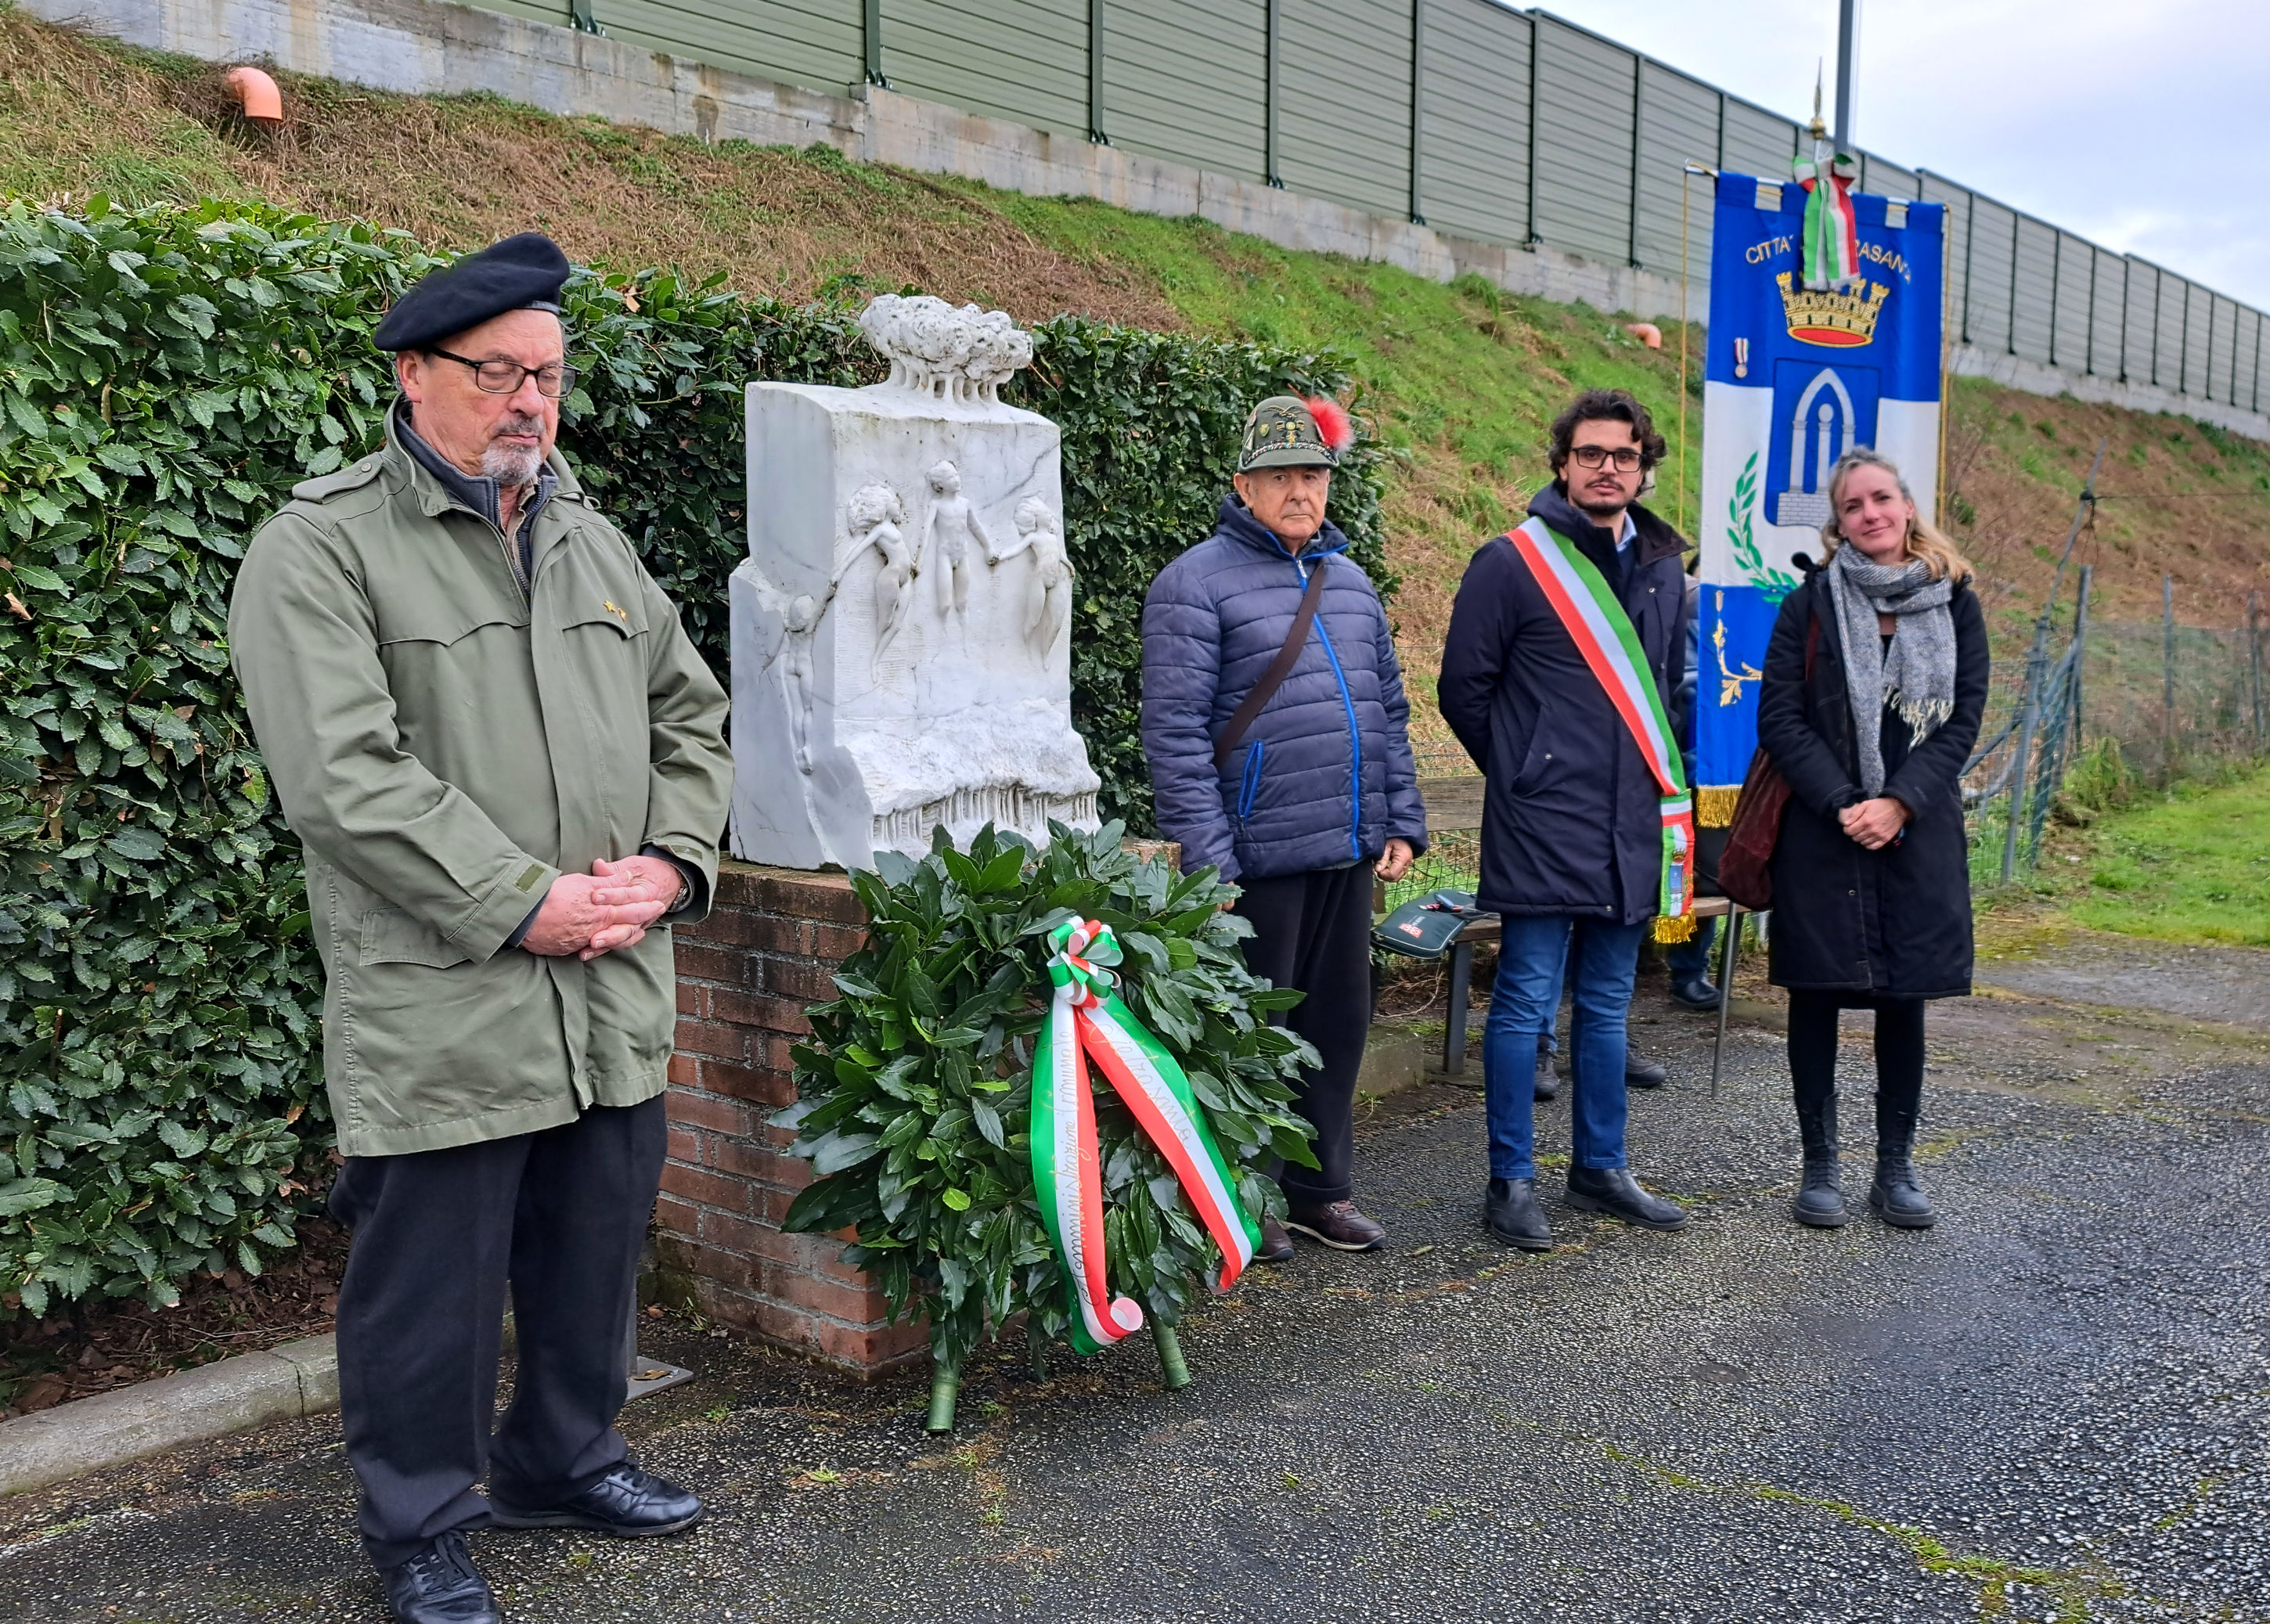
{"points": [[503, 377], [1626, 457]]}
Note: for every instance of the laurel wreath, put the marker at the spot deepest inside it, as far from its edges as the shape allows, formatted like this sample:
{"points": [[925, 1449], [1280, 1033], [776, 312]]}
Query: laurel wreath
{"points": [[1775, 584]]}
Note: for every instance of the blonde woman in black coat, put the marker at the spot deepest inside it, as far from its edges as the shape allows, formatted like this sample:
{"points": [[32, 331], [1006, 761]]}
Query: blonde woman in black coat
{"points": [[1870, 874]]}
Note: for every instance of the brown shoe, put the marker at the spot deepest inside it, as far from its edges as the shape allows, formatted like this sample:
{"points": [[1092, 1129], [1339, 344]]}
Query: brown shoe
{"points": [[1276, 1246], [1337, 1224]]}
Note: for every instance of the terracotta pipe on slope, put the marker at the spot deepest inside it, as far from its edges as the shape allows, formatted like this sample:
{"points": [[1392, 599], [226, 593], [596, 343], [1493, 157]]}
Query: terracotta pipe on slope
{"points": [[256, 95], [1647, 332]]}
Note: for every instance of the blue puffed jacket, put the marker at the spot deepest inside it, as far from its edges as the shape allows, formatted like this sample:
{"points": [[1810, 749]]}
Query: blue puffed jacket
{"points": [[1324, 778]]}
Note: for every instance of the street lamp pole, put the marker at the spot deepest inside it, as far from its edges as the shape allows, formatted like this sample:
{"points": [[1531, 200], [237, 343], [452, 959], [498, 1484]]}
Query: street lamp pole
{"points": [[1848, 47]]}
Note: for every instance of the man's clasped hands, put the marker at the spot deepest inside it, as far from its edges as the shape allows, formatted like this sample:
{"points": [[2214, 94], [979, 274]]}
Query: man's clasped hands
{"points": [[588, 914]]}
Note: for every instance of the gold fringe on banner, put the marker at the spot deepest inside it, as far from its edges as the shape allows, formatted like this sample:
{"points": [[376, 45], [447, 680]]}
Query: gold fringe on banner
{"points": [[1714, 805], [1674, 928]]}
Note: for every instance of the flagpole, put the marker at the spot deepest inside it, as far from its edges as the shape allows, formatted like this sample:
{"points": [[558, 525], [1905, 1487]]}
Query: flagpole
{"points": [[1686, 185]]}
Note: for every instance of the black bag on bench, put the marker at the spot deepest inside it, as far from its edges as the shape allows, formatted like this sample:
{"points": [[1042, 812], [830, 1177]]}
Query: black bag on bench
{"points": [[1422, 928]]}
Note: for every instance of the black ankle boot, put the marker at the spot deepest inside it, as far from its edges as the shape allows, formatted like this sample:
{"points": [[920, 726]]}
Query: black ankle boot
{"points": [[1895, 1196], [1819, 1196]]}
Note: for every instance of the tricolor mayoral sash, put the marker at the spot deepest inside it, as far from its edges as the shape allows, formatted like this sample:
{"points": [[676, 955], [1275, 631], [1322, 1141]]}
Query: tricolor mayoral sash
{"points": [[1088, 1019], [1604, 635]]}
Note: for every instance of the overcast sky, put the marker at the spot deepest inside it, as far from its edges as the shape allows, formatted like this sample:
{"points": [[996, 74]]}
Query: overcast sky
{"points": [[2142, 124]]}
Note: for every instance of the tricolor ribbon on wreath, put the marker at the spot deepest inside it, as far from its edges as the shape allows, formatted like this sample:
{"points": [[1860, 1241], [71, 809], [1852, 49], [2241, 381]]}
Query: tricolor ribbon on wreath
{"points": [[1088, 1019], [1604, 635]]}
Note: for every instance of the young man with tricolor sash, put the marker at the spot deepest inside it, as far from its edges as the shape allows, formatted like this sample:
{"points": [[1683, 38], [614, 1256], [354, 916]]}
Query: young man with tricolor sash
{"points": [[1566, 643]]}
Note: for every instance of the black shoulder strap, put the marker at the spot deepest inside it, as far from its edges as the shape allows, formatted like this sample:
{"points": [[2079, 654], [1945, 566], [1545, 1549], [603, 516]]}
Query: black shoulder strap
{"points": [[1279, 668]]}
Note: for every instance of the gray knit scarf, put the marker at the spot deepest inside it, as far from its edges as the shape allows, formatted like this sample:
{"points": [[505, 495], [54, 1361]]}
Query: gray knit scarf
{"points": [[1916, 674]]}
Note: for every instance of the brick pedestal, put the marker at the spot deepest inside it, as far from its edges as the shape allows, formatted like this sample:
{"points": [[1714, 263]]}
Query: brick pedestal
{"points": [[745, 976]]}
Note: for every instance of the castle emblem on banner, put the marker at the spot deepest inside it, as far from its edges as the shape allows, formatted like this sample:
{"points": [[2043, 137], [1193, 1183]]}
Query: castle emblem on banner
{"points": [[1838, 321]]}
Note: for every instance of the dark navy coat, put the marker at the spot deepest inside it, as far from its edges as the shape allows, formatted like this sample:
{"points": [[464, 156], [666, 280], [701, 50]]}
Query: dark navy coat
{"points": [[1323, 777], [1571, 818], [1892, 924]]}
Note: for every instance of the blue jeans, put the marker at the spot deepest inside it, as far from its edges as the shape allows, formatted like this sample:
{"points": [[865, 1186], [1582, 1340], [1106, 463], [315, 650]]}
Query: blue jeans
{"points": [[1690, 960], [1533, 950]]}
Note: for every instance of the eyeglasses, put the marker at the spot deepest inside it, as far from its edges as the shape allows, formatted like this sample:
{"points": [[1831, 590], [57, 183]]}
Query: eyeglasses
{"points": [[1626, 457], [552, 382]]}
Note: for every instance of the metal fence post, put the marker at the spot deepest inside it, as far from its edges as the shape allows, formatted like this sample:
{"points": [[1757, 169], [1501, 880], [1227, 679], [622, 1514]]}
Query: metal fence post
{"points": [[2254, 664], [2167, 677], [2029, 703], [2080, 655]]}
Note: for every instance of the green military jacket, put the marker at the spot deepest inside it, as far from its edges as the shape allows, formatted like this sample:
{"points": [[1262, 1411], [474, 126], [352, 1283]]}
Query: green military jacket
{"points": [[444, 744]]}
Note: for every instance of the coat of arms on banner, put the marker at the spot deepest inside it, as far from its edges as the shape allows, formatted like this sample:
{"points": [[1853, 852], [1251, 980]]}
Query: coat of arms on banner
{"points": [[1810, 354]]}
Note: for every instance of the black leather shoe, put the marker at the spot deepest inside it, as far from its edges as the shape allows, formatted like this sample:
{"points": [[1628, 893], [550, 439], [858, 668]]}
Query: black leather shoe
{"points": [[1896, 1197], [440, 1585], [1640, 1073], [1548, 1085], [1510, 1211], [1276, 1246], [1613, 1190], [1697, 993], [1821, 1198], [1337, 1224], [627, 1502]]}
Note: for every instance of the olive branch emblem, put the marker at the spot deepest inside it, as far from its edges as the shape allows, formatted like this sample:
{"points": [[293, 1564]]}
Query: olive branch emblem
{"points": [[1775, 584]]}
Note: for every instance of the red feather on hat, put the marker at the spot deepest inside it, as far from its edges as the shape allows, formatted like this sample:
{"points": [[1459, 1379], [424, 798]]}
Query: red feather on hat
{"points": [[1332, 422]]}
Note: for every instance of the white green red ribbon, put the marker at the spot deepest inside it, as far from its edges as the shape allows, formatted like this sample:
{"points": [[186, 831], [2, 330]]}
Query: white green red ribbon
{"points": [[1603, 635], [1086, 1019], [1831, 235]]}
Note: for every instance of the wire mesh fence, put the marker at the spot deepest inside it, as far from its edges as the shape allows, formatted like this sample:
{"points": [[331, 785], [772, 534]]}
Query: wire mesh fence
{"points": [[2174, 700]]}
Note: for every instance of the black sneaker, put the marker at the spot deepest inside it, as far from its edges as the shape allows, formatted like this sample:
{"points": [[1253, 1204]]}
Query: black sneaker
{"points": [[1276, 1246], [440, 1585], [1548, 1083], [627, 1502]]}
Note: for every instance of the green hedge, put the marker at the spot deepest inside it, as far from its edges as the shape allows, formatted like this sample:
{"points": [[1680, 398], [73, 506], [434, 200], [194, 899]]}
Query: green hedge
{"points": [[166, 375]]}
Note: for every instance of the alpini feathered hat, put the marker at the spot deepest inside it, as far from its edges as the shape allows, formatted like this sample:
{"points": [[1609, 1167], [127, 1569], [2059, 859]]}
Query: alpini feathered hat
{"points": [[1284, 431]]}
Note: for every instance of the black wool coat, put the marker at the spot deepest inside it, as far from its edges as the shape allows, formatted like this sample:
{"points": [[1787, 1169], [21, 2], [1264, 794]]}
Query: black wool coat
{"points": [[1571, 818], [1892, 924]]}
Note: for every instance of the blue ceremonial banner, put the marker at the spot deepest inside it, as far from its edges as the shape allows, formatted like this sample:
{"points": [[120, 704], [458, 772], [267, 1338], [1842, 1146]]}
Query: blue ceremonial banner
{"points": [[1794, 379]]}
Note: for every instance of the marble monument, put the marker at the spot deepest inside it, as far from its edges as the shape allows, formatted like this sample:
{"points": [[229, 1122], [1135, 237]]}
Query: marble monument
{"points": [[901, 656]]}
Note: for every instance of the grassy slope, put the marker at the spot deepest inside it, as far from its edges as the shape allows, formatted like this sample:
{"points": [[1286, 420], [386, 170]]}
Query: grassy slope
{"points": [[2187, 864], [1461, 379]]}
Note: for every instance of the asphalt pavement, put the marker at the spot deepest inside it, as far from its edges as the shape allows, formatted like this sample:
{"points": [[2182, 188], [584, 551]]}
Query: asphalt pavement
{"points": [[2054, 1406]]}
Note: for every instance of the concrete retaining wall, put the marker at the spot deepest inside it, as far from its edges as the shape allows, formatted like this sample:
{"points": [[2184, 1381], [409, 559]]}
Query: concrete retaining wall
{"points": [[2017, 372]]}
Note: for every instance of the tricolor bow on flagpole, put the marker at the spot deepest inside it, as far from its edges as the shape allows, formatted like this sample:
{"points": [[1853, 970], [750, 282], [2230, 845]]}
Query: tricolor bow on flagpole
{"points": [[1086, 1019], [1831, 233]]}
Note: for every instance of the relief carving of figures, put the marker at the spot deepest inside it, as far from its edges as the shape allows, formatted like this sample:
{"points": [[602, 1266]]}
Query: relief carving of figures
{"points": [[800, 615], [951, 526], [960, 354], [873, 515], [1047, 588]]}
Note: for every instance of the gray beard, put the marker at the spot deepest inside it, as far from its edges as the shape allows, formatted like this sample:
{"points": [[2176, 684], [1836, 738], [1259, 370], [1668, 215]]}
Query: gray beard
{"points": [[510, 466]]}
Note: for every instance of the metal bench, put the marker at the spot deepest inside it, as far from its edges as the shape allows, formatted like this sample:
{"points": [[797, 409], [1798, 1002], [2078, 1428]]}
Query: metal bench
{"points": [[1456, 804]]}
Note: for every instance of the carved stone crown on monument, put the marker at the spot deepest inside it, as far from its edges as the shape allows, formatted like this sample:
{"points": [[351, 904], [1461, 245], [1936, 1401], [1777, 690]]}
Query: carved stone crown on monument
{"points": [[901, 649]]}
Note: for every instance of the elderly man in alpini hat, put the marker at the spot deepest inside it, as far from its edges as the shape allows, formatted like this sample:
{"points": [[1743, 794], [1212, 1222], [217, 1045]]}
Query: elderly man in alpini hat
{"points": [[505, 761], [1273, 721]]}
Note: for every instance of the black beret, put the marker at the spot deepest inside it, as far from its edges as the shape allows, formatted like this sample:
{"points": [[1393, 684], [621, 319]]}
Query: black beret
{"points": [[525, 272]]}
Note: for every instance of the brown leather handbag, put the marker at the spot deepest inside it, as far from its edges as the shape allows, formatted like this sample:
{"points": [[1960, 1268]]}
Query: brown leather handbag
{"points": [[1746, 867]]}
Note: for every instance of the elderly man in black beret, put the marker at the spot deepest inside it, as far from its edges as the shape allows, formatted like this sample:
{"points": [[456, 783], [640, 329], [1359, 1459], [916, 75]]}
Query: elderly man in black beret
{"points": [[506, 763]]}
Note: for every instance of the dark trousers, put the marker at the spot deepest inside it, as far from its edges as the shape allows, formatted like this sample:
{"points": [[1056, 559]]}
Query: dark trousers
{"points": [[1690, 960], [561, 1216], [1813, 1067], [1313, 931]]}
